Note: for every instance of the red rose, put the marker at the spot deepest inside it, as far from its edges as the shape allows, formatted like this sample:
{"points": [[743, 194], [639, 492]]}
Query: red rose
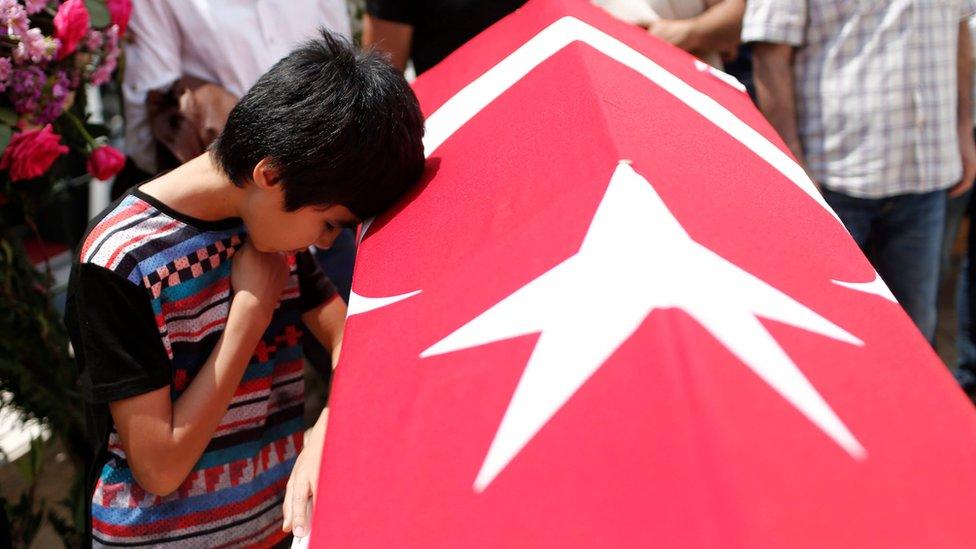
{"points": [[105, 162], [31, 153], [120, 11], [70, 26]]}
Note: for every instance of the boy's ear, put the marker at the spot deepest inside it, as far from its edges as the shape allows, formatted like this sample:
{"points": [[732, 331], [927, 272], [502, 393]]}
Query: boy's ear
{"points": [[265, 174]]}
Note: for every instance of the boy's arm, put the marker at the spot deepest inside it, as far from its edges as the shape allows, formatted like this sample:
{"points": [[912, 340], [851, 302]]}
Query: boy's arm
{"points": [[304, 479], [326, 322], [164, 439]]}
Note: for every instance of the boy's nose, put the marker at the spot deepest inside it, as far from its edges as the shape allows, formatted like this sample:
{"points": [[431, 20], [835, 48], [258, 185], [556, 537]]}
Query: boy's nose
{"points": [[326, 240]]}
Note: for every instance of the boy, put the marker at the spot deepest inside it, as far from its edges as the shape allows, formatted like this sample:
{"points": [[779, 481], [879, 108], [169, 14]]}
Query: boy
{"points": [[185, 301]]}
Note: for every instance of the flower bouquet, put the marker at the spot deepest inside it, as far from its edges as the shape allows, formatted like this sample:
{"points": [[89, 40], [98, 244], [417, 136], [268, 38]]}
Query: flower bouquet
{"points": [[49, 50]]}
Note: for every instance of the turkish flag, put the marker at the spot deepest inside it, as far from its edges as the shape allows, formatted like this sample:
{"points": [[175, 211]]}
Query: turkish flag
{"points": [[616, 312]]}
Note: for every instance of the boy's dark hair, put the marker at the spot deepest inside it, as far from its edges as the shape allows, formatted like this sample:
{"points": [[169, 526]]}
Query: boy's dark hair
{"points": [[342, 127]]}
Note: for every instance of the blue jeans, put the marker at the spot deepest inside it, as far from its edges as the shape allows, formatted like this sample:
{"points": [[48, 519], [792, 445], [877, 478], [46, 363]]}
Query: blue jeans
{"points": [[902, 237]]}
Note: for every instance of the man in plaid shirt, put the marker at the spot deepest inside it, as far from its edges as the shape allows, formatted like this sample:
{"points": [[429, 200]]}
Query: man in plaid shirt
{"points": [[874, 97]]}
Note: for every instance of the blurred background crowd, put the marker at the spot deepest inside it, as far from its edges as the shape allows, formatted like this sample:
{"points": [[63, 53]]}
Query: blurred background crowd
{"points": [[874, 98]]}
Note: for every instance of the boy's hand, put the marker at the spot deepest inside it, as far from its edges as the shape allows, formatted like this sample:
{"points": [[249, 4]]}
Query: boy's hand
{"points": [[304, 480], [257, 279]]}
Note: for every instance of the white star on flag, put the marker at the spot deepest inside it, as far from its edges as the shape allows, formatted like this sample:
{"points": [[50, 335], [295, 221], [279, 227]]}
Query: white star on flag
{"points": [[673, 271]]}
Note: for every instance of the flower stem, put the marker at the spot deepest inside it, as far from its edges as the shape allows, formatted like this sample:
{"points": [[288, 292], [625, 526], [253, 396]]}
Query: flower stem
{"points": [[81, 129], [32, 225]]}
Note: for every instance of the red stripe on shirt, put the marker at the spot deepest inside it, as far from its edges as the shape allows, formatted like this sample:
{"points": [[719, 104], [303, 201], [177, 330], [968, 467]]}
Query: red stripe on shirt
{"points": [[137, 239], [199, 332], [111, 223]]}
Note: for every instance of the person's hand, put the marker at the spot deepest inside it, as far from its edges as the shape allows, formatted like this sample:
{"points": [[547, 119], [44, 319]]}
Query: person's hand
{"points": [[967, 149], [257, 279], [304, 480], [680, 32]]}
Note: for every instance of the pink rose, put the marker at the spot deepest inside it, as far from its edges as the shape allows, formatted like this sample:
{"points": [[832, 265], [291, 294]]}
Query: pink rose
{"points": [[31, 153], [105, 162], [70, 26], [120, 10]]}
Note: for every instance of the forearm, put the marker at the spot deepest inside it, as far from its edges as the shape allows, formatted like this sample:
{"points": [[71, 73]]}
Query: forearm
{"points": [[320, 424], [965, 80], [718, 28], [773, 76], [198, 411], [327, 324], [390, 37], [164, 440]]}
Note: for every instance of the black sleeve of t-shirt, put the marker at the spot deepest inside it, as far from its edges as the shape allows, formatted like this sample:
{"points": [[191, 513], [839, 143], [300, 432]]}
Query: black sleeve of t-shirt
{"points": [[314, 287], [114, 334], [398, 11]]}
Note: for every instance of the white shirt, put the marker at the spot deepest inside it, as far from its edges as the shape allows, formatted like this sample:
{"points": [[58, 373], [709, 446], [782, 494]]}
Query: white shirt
{"points": [[227, 42], [876, 89]]}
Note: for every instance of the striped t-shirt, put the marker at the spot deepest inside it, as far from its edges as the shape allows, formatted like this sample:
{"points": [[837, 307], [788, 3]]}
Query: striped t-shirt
{"points": [[148, 300]]}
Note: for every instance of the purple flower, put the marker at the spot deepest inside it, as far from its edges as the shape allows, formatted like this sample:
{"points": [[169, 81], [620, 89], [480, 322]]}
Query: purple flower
{"points": [[54, 100], [27, 84], [5, 6], [35, 47], [13, 18], [35, 6], [112, 40], [35, 96], [103, 73], [5, 69], [94, 40]]}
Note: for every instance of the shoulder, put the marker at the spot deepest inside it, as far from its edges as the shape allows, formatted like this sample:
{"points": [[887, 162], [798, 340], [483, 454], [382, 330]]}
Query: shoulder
{"points": [[124, 234]]}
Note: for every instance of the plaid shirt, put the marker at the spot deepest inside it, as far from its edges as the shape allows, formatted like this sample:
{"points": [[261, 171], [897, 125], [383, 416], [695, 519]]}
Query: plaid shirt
{"points": [[876, 88]]}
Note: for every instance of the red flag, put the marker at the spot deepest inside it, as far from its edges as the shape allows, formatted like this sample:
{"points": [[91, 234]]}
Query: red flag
{"points": [[617, 313]]}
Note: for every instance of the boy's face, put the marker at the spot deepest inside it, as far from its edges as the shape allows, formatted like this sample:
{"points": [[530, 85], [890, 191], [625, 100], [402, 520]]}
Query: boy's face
{"points": [[272, 229]]}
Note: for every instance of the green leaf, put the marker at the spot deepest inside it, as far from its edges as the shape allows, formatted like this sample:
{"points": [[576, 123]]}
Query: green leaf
{"points": [[5, 133], [8, 116], [98, 13]]}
